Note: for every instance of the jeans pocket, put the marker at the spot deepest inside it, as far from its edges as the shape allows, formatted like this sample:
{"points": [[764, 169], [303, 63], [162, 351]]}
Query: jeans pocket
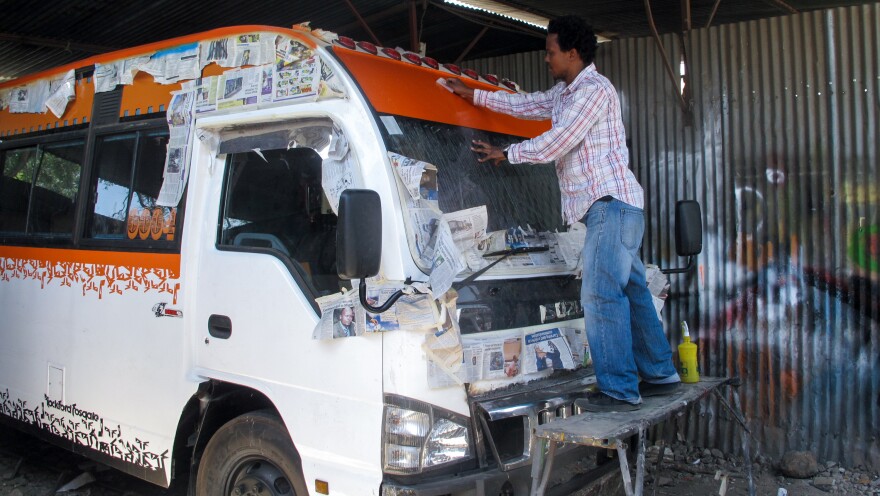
{"points": [[632, 228]]}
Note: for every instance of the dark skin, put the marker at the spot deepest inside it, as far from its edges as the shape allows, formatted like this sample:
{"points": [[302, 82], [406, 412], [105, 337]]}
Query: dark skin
{"points": [[563, 65]]}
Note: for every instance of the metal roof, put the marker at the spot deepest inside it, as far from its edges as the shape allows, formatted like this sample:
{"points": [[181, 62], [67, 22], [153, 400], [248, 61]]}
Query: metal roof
{"points": [[32, 40]]}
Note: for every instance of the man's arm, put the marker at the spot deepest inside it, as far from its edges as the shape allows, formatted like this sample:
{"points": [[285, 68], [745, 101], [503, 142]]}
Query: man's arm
{"points": [[534, 106], [570, 129]]}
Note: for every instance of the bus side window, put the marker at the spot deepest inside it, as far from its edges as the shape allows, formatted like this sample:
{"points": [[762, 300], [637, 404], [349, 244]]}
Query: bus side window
{"points": [[274, 200], [128, 177], [39, 189], [19, 168], [55, 190]]}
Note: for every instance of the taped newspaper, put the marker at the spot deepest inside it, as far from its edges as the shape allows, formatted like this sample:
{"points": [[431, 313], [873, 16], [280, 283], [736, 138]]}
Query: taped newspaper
{"points": [[411, 312], [443, 345], [418, 178], [177, 158], [337, 170], [546, 350], [342, 316]]}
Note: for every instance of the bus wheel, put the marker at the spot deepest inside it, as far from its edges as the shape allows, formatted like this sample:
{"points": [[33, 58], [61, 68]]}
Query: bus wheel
{"points": [[251, 454]]}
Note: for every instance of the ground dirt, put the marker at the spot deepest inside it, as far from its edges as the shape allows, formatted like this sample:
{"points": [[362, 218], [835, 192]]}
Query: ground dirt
{"points": [[29, 467]]}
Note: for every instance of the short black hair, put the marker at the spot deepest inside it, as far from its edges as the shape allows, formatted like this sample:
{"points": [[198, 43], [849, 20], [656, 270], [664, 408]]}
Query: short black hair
{"points": [[574, 32]]}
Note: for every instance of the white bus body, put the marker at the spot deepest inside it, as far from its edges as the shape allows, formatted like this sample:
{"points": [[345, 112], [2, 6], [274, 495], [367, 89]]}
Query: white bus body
{"points": [[176, 342]]}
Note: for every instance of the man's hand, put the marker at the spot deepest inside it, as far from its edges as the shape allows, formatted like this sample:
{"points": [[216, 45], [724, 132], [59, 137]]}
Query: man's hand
{"points": [[493, 153], [460, 89]]}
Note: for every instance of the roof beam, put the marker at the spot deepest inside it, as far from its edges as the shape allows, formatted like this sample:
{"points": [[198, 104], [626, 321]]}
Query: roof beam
{"points": [[413, 28], [52, 43], [782, 5], [712, 15], [389, 12], [362, 22], [471, 44]]}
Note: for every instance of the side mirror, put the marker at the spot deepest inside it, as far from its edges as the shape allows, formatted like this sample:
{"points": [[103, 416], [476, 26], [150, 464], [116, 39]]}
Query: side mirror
{"points": [[359, 242], [359, 234], [688, 233]]}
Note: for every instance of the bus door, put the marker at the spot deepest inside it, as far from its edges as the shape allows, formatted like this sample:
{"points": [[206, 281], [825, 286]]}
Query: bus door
{"points": [[265, 250]]}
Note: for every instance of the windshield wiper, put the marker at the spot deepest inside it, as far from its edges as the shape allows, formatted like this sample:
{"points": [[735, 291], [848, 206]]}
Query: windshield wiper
{"points": [[504, 254]]}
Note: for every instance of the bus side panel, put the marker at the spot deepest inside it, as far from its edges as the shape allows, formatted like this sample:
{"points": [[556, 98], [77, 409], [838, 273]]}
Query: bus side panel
{"points": [[85, 357]]}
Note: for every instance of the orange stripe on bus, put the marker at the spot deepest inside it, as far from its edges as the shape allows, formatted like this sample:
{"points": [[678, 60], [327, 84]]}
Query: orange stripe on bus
{"points": [[395, 87], [158, 261]]}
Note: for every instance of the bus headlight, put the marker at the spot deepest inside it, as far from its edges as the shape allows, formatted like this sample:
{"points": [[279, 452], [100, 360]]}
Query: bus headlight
{"points": [[418, 436], [448, 442]]}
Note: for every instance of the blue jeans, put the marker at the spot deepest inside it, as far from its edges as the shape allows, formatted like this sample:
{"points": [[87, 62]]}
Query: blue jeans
{"points": [[626, 337]]}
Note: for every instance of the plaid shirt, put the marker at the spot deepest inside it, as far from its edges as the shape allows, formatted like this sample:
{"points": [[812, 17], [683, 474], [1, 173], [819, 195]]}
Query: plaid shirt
{"points": [[587, 140]]}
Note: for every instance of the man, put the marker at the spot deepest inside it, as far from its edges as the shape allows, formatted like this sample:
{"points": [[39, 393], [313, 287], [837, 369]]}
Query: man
{"points": [[344, 327], [588, 143]]}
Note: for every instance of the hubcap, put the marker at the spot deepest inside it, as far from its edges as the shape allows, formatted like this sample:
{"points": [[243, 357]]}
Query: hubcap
{"points": [[259, 478]]}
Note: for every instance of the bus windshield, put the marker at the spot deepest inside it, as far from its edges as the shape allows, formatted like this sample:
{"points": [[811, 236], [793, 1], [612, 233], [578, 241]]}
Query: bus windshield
{"points": [[520, 200]]}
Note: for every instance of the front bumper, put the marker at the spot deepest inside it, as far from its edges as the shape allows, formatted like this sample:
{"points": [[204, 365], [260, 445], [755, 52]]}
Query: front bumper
{"points": [[579, 463]]}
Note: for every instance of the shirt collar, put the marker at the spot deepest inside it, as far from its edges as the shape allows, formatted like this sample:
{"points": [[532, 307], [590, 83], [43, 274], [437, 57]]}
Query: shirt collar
{"points": [[587, 72]]}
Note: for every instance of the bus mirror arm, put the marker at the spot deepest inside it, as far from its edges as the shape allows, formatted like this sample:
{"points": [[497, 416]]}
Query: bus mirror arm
{"points": [[362, 289], [680, 270]]}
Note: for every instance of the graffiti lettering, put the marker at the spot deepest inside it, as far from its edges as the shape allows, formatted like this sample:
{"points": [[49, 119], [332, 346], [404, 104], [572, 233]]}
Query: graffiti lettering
{"points": [[85, 429]]}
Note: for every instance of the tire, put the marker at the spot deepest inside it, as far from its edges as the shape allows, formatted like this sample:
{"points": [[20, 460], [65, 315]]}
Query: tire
{"points": [[251, 454]]}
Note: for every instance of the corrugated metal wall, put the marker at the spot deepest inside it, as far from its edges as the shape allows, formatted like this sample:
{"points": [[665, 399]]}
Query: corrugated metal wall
{"points": [[783, 156]]}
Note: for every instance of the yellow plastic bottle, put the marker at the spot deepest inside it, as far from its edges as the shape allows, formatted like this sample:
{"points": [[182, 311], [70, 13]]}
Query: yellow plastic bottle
{"points": [[687, 356]]}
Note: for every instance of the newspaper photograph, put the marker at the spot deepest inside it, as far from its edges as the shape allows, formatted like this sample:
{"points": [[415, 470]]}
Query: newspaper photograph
{"points": [[468, 226], [492, 358], [267, 75], [61, 92], [297, 80], [342, 316], [174, 65], [249, 50], [239, 87], [446, 261], [179, 117], [20, 100], [331, 86], [425, 222], [237, 51], [219, 51], [107, 76], [337, 171], [289, 52], [545, 350], [206, 94], [580, 347], [30, 98], [417, 177]]}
